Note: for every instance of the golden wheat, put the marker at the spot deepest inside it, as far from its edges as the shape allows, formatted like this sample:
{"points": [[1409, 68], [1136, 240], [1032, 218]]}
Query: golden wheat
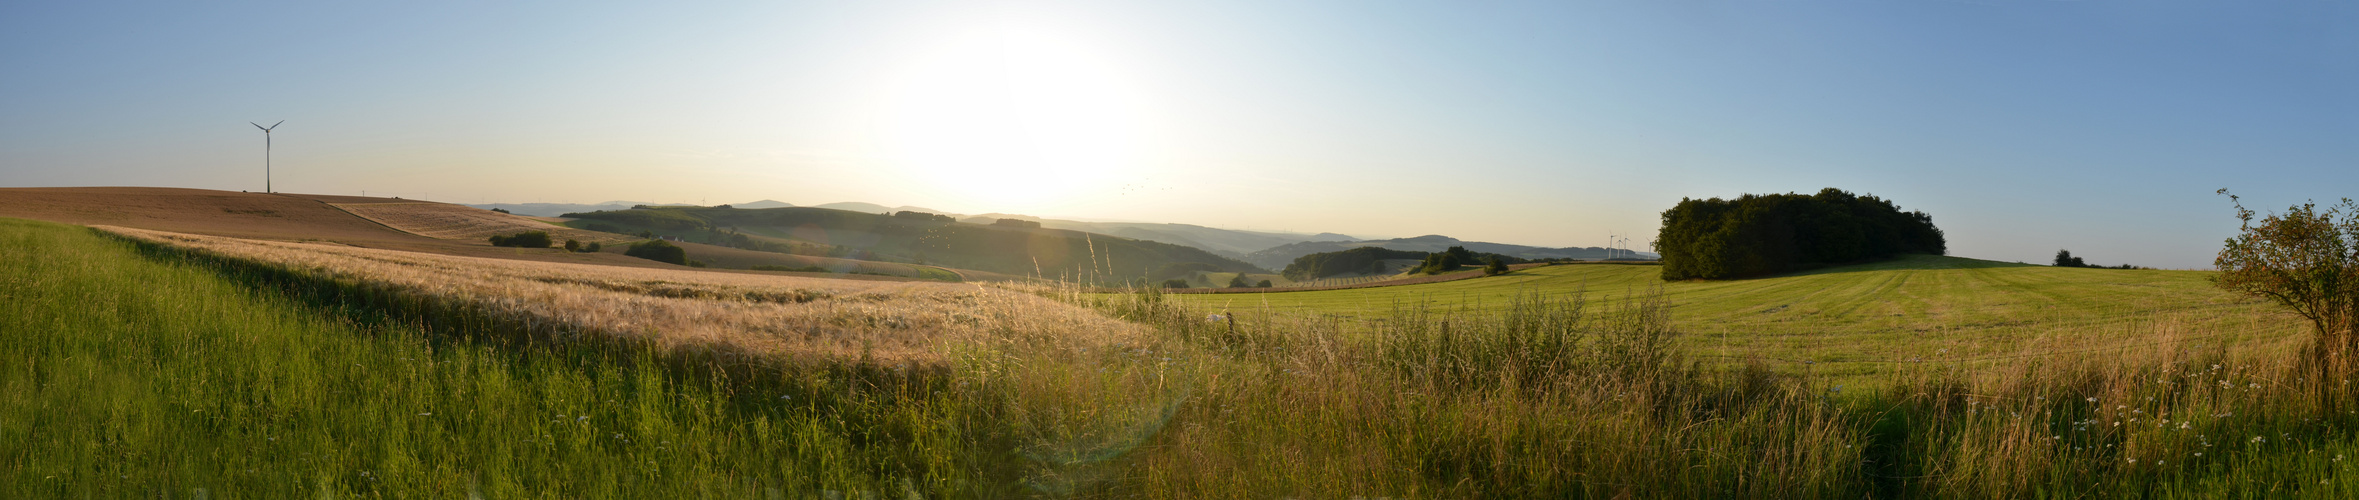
{"points": [[777, 317]]}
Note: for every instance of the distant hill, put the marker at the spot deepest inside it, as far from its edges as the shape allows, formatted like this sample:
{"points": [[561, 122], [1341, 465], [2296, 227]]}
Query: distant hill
{"points": [[1228, 242], [1280, 256], [763, 204], [848, 233], [556, 209], [872, 208]]}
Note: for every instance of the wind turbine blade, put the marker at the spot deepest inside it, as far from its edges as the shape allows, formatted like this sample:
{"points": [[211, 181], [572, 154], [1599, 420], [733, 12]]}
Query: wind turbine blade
{"points": [[275, 125], [258, 125]]}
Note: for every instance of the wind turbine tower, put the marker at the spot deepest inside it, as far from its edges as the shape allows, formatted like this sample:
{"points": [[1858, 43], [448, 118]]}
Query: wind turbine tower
{"points": [[266, 153]]}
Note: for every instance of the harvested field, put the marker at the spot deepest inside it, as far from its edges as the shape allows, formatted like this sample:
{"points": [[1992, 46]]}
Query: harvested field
{"points": [[458, 222], [771, 317], [222, 213]]}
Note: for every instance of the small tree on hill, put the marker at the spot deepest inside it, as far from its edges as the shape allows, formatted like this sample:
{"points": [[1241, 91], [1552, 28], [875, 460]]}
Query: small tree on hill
{"points": [[2064, 258], [2305, 260], [1262, 284], [1175, 283], [1494, 267], [1239, 281], [573, 246]]}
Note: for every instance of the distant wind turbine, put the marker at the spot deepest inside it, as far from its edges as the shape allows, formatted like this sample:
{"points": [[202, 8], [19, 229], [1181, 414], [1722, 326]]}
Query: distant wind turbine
{"points": [[266, 153]]}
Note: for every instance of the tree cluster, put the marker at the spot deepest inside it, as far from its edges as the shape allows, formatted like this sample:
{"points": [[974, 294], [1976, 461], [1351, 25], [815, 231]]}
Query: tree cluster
{"points": [[916, 215], [659, 251], [2065, 258], [1756, 235], [527, 239], [1356, 260]]}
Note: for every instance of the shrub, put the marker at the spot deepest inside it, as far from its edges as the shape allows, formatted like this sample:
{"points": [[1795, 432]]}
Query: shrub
{"points": [[1494, 267], [501, 210], [2305, 260], [573, 246], [659, 251], [1239, 281], [593, 247], [527, 239], [695, 263], [1175, 283], [1262, 284]]}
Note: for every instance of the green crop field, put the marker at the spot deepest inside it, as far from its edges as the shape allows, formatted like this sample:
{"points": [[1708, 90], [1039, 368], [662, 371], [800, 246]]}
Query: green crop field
{"points": [[1861, 317]]}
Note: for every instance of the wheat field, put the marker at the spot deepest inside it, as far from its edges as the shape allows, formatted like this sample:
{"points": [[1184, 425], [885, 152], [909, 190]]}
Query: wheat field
{"points": [[757, 316]]}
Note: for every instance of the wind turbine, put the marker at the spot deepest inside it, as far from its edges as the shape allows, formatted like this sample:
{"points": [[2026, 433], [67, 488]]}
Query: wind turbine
{"points": [[266, 153]]}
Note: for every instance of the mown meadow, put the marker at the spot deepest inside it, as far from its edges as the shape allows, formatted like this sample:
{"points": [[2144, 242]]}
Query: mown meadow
{"points": [[152, 369]]}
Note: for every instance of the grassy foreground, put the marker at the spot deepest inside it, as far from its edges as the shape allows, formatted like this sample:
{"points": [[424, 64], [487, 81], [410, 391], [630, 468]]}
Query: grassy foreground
{"points": [[140, 375], [134, 371]]}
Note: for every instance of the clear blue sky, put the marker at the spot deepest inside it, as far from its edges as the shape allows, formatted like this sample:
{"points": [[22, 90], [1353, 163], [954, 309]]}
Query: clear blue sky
{"points": [[2021, 126]]}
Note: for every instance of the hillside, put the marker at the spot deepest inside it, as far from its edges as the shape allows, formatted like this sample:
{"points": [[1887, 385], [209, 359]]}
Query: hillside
{"points": [[1279, 256], [399, 224], [1228, 242], [822, 231]]}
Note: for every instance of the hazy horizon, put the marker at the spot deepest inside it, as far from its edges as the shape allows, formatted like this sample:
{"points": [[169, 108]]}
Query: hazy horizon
{"points": [[2022, 127]]}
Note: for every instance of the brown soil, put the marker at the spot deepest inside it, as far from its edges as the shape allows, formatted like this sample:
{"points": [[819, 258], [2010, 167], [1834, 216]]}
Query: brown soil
{"points": [[303, 217]]}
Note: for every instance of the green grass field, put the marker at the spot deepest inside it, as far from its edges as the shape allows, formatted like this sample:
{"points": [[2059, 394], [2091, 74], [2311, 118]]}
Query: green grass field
{"points": [[136, 371], [1861, 318], [131, 375]]}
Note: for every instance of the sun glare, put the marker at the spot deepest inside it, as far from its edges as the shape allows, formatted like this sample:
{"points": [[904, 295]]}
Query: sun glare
{"points": [[1015, 117]]}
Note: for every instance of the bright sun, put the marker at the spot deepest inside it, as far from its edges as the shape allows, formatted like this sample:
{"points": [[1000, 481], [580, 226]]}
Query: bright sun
{"points": [[1012, 118]]}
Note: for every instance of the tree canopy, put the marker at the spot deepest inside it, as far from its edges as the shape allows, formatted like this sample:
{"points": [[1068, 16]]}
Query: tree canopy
{"points": [[1757, 235]]}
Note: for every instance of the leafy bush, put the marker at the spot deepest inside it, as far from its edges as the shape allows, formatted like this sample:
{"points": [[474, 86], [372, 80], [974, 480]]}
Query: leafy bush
{"points": [[2306, 260], [500, 210], [659, 251], [593, 247], [1175, 283], [573, 246], [1262, 284], [1757, 235], [527, 239], [1238, 281], [1494, 267]]}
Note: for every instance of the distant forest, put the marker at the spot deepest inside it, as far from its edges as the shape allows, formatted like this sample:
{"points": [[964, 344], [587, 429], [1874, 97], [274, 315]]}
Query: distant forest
{"points": [[1367, 259], [1757, 235]]}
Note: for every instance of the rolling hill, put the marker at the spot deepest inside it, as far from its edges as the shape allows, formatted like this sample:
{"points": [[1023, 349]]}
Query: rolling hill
{"points": [[911, 239], [1228, 242], [395, 224], [1279, 256]]}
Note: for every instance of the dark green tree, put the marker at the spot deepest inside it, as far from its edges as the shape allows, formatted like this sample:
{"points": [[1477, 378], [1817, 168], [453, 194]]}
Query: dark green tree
{"points": [[1492, 266], [659, 251]]}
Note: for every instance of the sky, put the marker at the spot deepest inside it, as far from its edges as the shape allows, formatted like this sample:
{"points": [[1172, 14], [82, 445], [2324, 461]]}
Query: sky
{"points": [[2022, 127]]}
